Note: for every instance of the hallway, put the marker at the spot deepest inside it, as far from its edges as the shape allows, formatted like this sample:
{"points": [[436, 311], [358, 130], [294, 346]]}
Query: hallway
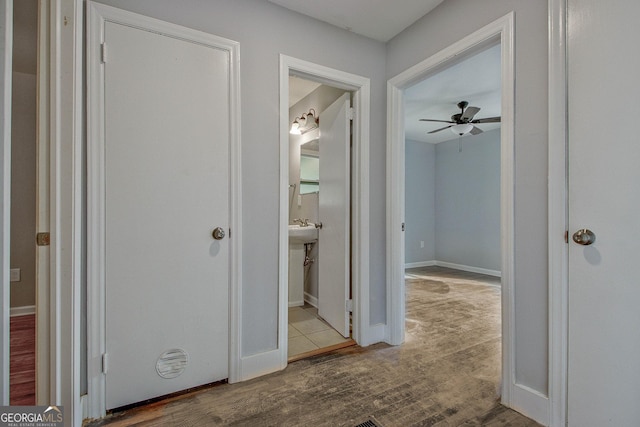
{"points": [[446, 373]]}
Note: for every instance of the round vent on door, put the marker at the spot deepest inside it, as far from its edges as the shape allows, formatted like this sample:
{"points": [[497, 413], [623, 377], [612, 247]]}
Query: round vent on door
{"points": [[172, 363]]}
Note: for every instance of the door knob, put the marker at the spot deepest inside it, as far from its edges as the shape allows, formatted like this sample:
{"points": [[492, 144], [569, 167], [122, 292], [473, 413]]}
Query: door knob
{"points": [[218, 233], [584, 237]]}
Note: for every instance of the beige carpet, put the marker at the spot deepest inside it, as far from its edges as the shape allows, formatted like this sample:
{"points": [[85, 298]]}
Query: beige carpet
{"points": [[446, 374]]}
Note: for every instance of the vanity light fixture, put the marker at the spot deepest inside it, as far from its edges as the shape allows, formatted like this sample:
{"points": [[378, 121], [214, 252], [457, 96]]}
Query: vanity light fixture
{"points": [[304, 123]]}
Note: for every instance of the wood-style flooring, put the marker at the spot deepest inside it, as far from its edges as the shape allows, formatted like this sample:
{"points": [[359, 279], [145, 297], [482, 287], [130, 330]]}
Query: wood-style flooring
{"points": [[22, 361], [447, 373]]}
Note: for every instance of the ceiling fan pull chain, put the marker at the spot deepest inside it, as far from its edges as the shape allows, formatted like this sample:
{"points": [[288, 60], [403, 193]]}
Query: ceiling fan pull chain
{"points": [[459, 144]]}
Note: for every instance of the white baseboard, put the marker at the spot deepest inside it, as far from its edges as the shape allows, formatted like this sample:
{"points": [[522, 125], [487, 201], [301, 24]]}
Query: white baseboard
{"points": [[462, 267], [260, 364], [469, 268], [530, 403], [22, 311], [420, 264], [296, 303], [308, 298], [375, 334]]}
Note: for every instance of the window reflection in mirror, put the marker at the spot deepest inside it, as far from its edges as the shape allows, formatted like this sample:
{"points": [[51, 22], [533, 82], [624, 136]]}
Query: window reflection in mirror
{"points": [[309, 174]]}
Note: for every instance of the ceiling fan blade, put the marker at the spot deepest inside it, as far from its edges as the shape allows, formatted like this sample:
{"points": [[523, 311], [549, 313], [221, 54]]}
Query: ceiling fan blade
{"points": [[433, 120], [476, 130], [469, 113], [438, 130], [487, 120]]}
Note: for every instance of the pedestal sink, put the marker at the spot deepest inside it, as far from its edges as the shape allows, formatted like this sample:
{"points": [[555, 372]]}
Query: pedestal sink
{"points": [[298, 236]]}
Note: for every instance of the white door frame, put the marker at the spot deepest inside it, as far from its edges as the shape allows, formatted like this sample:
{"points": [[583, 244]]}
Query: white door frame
{"points": [[66, 201], [558, 215], [96, 320], [501, 30], [360, 86], [43, 214], [6, 40]]}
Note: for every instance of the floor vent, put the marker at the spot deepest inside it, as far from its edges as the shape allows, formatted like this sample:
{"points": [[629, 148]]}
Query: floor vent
{"points": [[369, 423]]}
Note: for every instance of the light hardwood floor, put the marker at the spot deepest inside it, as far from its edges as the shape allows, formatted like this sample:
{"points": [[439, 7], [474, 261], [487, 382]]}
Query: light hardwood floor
{"points": [[22, 360], [446, 374]]}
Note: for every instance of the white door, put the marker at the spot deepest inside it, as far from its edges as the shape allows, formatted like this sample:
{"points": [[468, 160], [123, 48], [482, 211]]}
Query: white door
{"points": [[167, 187], [334, 239], [604, 153]]}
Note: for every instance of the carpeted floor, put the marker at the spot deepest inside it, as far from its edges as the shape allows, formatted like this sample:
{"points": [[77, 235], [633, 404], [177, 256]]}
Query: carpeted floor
{"points": [[446, 374]]}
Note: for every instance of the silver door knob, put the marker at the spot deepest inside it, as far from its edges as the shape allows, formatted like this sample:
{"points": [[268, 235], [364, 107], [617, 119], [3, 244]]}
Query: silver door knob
{"points": [[218, 233], [584, 237]]}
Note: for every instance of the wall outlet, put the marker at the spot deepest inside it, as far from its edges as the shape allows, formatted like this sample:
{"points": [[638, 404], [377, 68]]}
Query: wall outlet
{"points": [[15, 274], [422, 243]]}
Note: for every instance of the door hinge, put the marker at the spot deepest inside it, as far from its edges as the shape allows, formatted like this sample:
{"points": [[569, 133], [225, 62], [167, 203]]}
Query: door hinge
{"points": [[105, 363], [349, 306], [352, 113], [566, 236], [43, 239], [403, 226], [103, 53]]}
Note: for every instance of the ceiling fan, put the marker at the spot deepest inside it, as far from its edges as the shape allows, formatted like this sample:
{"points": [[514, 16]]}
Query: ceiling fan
{"points": [[462, 123]]}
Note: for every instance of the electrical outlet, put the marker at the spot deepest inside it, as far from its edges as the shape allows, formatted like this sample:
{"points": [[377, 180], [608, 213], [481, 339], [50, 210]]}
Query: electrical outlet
{"points": [[15, 274], [422, 243]]}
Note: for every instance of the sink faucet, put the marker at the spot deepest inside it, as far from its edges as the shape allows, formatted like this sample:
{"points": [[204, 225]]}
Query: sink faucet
{"points": [[303, 222]]}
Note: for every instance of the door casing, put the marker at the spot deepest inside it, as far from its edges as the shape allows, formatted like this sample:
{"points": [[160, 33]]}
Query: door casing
{"points": [[6, 39], [558, 215], [500, 31], [96, 316], [363, 333]]}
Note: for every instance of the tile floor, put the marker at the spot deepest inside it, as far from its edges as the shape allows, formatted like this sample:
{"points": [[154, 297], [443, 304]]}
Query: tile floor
{"points": [[308, 332]]}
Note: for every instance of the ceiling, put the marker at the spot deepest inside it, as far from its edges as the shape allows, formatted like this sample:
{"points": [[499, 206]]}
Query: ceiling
{"points": [[299, 88], [475, 79], [377, 19]]}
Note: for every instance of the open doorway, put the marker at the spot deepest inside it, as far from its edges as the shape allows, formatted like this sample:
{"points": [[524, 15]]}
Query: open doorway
{"points": [[351, 115], [452, 213], [24, 160], [319, 278], [496, 35]]}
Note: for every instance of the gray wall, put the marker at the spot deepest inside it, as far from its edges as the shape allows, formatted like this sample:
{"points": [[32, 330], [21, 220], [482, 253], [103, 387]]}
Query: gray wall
{"points": [[448, 23], [265, 30], [23, 188], [420, 198], [452, 201], [467, 208], [23, 152]]}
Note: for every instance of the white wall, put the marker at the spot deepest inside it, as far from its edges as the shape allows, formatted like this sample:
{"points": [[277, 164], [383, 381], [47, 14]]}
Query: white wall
{"points": [[420, 198], [446, 24], [264, 31], [467, 207]]}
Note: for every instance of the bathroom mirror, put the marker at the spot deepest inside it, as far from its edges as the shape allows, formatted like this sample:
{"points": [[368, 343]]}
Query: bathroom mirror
{"points": [[309, 171]]}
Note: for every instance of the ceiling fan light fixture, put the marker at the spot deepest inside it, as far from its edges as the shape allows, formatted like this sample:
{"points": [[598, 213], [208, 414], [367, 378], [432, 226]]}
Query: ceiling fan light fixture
{"points": [[461, 129]]}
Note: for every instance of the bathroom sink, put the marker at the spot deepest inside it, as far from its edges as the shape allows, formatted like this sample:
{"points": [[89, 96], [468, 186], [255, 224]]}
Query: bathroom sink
{"points": [[302, 234]]}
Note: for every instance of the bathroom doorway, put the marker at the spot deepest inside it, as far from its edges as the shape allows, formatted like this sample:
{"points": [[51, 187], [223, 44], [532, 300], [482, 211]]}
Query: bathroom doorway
{"points": [[319, 278], [332, 105]]}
